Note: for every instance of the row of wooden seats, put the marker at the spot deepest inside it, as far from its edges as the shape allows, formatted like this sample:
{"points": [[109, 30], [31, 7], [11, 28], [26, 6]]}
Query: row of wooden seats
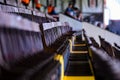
{"points": [[12, 3], [55, 38], [22, 48], [39, 18], [56, 33], [105, 58], [23, 53], [19, 3], [112, 51], [116, 49], [32, 15]]}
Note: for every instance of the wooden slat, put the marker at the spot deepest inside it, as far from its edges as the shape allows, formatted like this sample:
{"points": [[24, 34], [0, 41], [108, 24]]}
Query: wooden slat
{"points": [[22, 10], [38, 14], [51, 25], [28, 11], [3, 8], [56, 24], [35, 27], [6, 8], [18, 22], [47, 26]]}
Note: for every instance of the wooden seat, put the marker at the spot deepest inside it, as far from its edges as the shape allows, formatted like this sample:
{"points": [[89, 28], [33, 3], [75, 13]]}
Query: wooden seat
{"points": [[94, 43], [107, 47], [22, 50], [116, 50]]}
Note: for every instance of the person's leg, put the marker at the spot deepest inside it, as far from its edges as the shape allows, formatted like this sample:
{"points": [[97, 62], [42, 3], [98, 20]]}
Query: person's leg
{"points": [[110, 28], [118, 30], [117, 27]]}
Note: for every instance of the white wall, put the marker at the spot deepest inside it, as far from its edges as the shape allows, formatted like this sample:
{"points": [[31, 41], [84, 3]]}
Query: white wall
{"points": [[65, 4], [77, 4], [44, 2], [91, 30], [58, 6], [94, 31], [98, 9], [76, 25]]}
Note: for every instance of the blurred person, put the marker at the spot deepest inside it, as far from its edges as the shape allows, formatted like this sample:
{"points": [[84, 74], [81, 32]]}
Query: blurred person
{"points": [[79, 16], [50, 9], [25, 2], [75, 12], [53, 12], [69, 11], [112, 15], [38, 6]]}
